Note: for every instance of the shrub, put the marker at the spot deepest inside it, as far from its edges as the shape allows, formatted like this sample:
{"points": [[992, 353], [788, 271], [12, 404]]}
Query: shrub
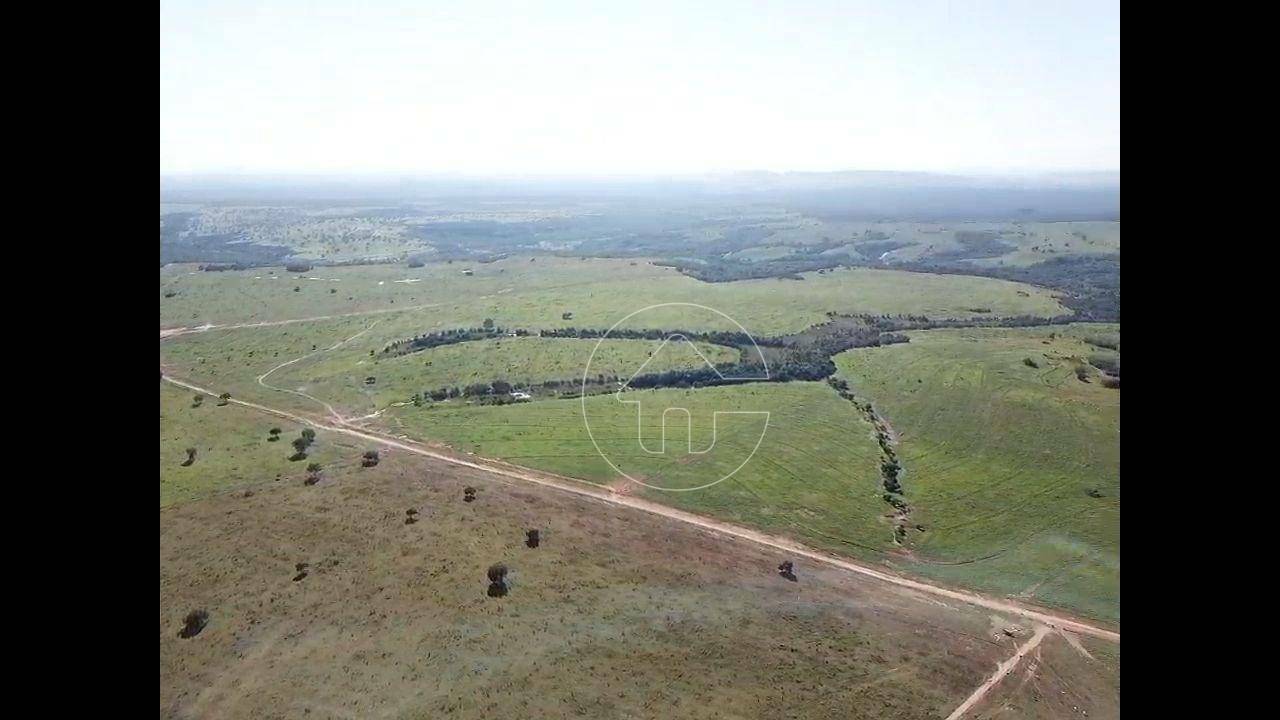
{"points": [[194, 623], [497, 572], [1030, 363]]}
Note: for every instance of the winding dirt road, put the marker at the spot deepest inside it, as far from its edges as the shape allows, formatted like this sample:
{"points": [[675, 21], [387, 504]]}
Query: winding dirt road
{"points": [[600, 494]]}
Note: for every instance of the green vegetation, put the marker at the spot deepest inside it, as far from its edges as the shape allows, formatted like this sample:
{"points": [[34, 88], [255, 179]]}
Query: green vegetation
{"points": [[815, 475], [232, 448], [517, 293], [1013, 470], [338, 377], [1006, 479]]}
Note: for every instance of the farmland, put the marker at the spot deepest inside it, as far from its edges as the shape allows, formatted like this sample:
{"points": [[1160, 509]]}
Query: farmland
{"points": [[233, 446], [1014, 469], [520, 293], [971, 457], [391, 618]]}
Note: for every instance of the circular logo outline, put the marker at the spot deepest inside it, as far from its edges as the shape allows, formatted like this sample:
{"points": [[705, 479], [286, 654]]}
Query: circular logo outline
{"points": [[586, 372]]}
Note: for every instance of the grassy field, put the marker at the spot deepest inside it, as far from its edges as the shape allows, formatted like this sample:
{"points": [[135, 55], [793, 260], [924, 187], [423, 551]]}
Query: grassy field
{"points": [[1003, 460], [339, 377], [615, 614], [815, 475], [518, 292], [999, 456], [233, 450], [232, 360]]}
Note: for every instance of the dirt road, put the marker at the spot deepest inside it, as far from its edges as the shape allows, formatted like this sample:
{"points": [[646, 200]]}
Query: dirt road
{"points": [[582, 488], [166, 333], [1002, 669]]}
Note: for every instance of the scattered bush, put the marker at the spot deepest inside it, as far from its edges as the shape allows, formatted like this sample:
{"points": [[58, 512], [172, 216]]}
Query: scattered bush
{"points": [[194, 623]]}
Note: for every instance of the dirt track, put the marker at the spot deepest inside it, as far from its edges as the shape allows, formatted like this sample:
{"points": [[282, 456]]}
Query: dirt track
{"points": [[600, 494]]}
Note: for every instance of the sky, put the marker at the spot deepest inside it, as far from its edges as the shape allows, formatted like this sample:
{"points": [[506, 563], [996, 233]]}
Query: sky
{"points": [[619, 88]]}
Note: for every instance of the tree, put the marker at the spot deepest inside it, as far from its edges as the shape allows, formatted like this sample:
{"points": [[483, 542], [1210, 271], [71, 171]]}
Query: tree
{"points": [[191, 456], [488, 323], [369, 459], [497, 580], [300, 444], [309, 434]]}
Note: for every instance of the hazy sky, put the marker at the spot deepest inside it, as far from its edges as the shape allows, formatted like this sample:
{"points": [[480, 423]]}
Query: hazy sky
{"points": [[470, 86]]}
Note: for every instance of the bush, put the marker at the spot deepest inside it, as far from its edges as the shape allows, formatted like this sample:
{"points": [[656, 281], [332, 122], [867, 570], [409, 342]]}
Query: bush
{"points": [[193, 623], [1030, 363], [313, 467], [369, 459], [497, 572]]}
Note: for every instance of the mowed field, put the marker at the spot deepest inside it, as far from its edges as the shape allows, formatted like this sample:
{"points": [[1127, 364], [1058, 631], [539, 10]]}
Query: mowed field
{"points": [[518, 292], [1014, 470], [614, 614]]}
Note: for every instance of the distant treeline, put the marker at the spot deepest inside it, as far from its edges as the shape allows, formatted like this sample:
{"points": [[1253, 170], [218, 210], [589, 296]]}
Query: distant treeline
{"points": [[1090, 284]]}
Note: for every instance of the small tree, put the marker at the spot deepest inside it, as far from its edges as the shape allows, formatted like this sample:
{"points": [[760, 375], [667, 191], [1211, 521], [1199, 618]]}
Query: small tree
{"points": [[369, 459], [274, 435], [497, 580], [197, 401]]}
